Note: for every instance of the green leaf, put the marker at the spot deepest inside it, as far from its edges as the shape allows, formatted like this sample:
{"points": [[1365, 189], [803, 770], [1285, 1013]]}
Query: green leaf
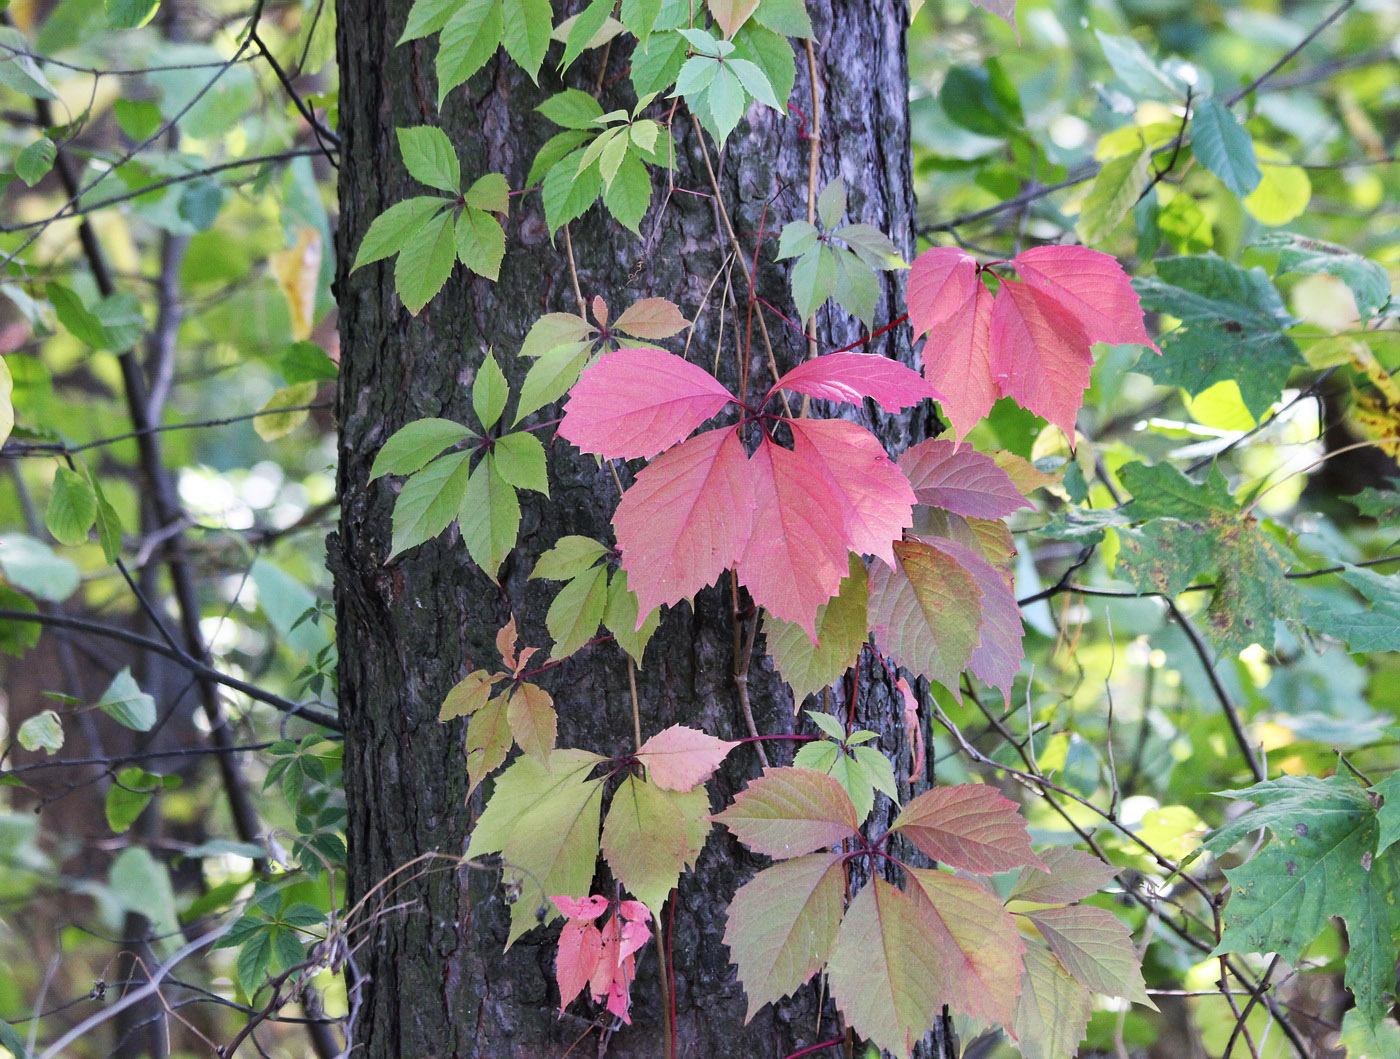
{"points": [[142, 884], [797, 238], [813, 279], [723, 103], [411, 447], [131, 791], [43, 731], [489, 739], [621, 618], [427, 17], [429, 502], [396, 227], [127, 704], [72, 508], [490, 391], [772, 53], [629, 195], [644, 841], [872, 246], [254, 958], [885, 969], [1232, 327], [526, 29], [1368, 281], [1370, 629], [639, 16], [521, 460], [34, 162], [522, 787], [550, 377], [756, 84], [831, 203], [128, 14], [468, 695], [786, 17], [1112, 195], [856, 287], [75, 316], [307, 362], [489, 517], [280, 423], [782, 925], [572, 109], [577, 610], [657, 62], [18, 70], [430, 157], [1095, 948], [970, 99], [569, 557], [481, 242], [31, 566], [567, 193], [1223, 146], [841, 631], [425, 263], [468, 40], [1252, 592], [1053, 1012], [585, 26], [109, 526]]}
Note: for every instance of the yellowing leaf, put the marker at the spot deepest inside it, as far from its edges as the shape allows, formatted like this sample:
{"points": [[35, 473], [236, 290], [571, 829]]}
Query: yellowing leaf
{"points": [[1096, 949], [841, 630], [1283, 191], [488, 740], [783, 923], [1054, 1009], [279, 423], [532, 720], [731, 14], [790, 811], [884, 968], [468, 695], [7, 409], [644, 841], [298, 270], [1068, 876]]}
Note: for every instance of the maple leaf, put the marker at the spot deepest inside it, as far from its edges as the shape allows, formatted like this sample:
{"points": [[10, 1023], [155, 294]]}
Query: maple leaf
{"points": [[686, 519], [851, 377], [637, 402], [960, 479], [873, 496], [971, 826], [795, 557], [885, 968], [787, 812], [783, 923], [680, 758]]}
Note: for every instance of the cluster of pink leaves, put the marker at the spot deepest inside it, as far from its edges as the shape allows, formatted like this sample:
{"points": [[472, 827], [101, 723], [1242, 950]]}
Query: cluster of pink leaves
{"points": [[603, 959], [1031, 341], [784, 519]]}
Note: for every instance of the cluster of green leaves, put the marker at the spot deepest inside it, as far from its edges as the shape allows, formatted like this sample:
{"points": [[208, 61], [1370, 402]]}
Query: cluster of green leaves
{"points": [[594, 594]]}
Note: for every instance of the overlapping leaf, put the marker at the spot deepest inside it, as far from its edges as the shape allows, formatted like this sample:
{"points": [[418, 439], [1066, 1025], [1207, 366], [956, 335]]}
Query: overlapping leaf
{"points": [[791, 811], [971, 826]]}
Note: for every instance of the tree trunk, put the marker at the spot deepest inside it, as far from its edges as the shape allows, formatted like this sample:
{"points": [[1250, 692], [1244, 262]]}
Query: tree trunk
{"points": [[428, 976]]}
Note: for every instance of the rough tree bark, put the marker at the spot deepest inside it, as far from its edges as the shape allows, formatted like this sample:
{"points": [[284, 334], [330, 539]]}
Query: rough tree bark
{"points": [[428, 974]]}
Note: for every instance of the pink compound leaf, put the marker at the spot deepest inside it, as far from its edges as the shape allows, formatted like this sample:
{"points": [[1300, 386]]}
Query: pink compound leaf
{"points": [[1040, 354], [1091, 286], [852, 377]]}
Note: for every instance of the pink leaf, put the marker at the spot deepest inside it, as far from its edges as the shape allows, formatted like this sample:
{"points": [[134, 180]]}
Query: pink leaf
{"points": [[873, 495], [997, 658], [634, 911], [587, 908], [787, 812], [1091, 286], [941, 281], [949, 302], [960, 479], [970, 826], [851, 377], [580, 949], [796, 557], [686, 519], [636, 402], [680, 758], [1040, 354]]}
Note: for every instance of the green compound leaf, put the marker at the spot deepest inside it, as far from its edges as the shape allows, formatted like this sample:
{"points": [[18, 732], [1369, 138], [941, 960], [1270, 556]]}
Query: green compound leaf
{"points": [[393, 229], [429, 502], [621, 618], [490, 391], [481, 242], [425, 263], [645, 841], [521, 460], [430, 157], [526, 29], [489, 517], [574, 615], [1223, 146], [411, 447], [469, 38], [1232, 327]]}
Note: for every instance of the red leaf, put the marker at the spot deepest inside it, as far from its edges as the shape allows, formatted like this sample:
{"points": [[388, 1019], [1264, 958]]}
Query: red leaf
{"points": [[636, 402], [997, 659], [1040, 354], [874, 496], [580, 949], [686, 519], [1091, 286], [951, 304], [851, 377], [586, 908], [970, 826], [680, 758], [787, 812], [960, 479], [796, 557]]}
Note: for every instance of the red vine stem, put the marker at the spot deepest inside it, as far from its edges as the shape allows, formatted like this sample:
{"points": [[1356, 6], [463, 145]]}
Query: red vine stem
{"points": [[813, 1048]]}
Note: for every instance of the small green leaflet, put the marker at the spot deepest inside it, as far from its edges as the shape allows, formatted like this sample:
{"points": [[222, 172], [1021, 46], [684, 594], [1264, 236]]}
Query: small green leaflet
{"points": [[72, 509], [1112, 195], [842, 629], [717, 87], [127, 704], [43, 731]]}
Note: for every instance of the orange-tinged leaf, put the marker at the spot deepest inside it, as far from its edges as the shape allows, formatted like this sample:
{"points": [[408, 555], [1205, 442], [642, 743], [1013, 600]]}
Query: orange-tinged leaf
{"points": [[488, 740], [580, 950], [925, 614], [468, 695], [852, 377], [1026, 475], [913, 730], [796, 556], [872, 494], [532, 720], [644, 841], [636, 402], [686, 519], [1095, 948], [1091, 286], [729, 15], [960, 479], [787, 812], [782, 925], [970, 826], [1053, 1013], [681, 758], [1040, 354], [1068, 876], [885, 968], [978, 941], [650, 319], [298, 271], [505, 643]]}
